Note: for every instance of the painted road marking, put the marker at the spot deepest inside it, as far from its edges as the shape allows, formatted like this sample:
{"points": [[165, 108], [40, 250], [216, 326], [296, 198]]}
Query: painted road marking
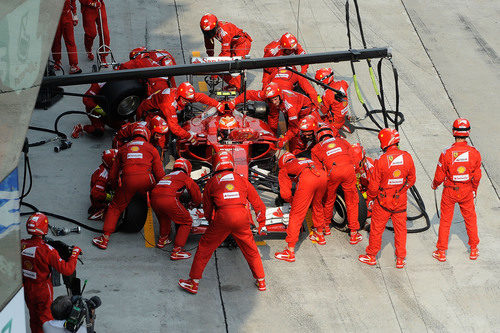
{"points": [[261, 243], [149, 230], [202, 86]]}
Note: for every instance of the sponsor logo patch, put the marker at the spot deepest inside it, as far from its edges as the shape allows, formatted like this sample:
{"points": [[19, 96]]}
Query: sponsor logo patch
{"points": [[461, 169], [333, 151], [134, 155], [395, 181], [229, 187], [396, 161], [165, 182], [464, 157], [227, 178], [396, 173], [134, 148], [331, 145], [461, 178], [231, 195]]}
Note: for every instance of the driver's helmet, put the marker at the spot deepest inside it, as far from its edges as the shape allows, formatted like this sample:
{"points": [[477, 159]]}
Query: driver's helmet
{"points": [[226, 125]]}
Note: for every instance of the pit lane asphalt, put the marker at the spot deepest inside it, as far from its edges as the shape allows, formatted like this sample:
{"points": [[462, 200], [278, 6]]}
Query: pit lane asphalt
{"points": [[445, 53]]}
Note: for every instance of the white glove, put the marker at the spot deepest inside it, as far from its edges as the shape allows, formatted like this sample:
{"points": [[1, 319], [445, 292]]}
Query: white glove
{"points": [[474, 194], [370, 205], [192, 138]]}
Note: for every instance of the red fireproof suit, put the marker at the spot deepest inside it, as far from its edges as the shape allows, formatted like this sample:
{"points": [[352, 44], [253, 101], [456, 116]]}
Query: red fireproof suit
{"points": [[163, 58], [364, 173], [92, 23], [459, 167], [225, 206], [288, 80], [311, 182], [99, 184], [141, 168], [96, 123], [168, 102], [334, 110], [65, 30], [154, 84], [393, 175], [335, 155], [124, 134], [37, 258], [167, 207], [274, 49]]}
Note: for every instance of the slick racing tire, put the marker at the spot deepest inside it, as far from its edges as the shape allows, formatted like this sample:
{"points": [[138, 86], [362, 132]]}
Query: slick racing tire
{"points": [[122, 98], [134, 217], [339, 219]]}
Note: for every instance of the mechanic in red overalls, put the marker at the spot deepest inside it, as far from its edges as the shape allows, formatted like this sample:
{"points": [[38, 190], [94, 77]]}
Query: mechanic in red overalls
{"points": [[225, 200], [169, 101], [288, 80], [459, 168], [311, 182], [100, 188], [305, 141], [335, 154], [167, 206], [234, 42], [37, 259], [285, 46], [334, 110], [92, 26], [393, 175], [141, 168], [364, 170], [94, 111], [65, 29]]}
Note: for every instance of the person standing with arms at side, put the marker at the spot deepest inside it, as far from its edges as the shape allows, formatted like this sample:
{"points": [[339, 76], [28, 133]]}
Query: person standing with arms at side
{"points": [[91, 10], [65, 29], [393, 175], [459, 169]]}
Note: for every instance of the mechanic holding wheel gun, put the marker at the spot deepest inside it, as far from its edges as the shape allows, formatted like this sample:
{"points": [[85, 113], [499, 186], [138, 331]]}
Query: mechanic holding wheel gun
{"points": [[393, 175], [37, 259], [225, 206], [165, 201], [459, 168]]}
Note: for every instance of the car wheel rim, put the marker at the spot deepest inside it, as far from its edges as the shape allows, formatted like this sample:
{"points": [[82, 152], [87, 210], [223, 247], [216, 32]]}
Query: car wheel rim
{"points": [[128, 105], [340, 213]]}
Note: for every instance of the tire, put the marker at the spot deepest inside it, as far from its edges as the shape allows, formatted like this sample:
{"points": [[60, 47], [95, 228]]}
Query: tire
{"points": [[339, 219], [134, 217], [94, 68], [122, 98]]}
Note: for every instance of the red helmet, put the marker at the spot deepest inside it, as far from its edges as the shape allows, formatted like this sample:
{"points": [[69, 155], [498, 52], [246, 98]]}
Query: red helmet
{"points": [[272, 90], [461, 128], [183, 164], [324, 75], [158, 125], [358, 153], [108, 157], [288, 42], [324, 132], [208, 22], [388, 137], [186, 90], [285, 158], [223, 161], [37, 224], [142, 131], [308, 123], [136, 52], [226, 125]]}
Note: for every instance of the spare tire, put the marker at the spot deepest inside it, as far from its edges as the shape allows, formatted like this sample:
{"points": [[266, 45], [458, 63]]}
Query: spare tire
{"points": [[122, 98], [134, 217], [339, 219]]}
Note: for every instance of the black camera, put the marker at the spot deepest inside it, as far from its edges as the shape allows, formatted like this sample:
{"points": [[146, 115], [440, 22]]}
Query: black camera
{"points": [[82, 312], [65, 144]]}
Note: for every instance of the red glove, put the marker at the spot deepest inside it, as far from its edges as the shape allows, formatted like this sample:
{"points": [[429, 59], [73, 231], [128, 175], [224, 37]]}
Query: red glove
{"points": [[474, 194], [433, 186], [76, 251]]}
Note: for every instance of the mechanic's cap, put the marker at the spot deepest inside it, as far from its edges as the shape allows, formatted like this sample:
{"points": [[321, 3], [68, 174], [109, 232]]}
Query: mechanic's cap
{"points": [[108, 157], [285, 158], [183, 164], [208, 22], [223, 161], [158, 125], [141, 131], [324, 75], [461, 128], [288, 41], [388, 137], [37, 224], [136, 52], [272, 90], [325, 131], [308, 123], [186, 90]]}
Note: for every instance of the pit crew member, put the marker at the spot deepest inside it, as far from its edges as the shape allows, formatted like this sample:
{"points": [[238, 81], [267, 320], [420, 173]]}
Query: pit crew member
{"points": [[93, 13], [334, 110], [288, 80], [100, 189], [65, 29]]}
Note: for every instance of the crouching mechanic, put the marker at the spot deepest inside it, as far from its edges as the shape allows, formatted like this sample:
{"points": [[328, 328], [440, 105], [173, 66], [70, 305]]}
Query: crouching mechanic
{"points": [[459, 168], [225, 206], [311, 186], [141, 168], [393, 175], [37, 259], [335, 155], [100, 189], [167, 206]]}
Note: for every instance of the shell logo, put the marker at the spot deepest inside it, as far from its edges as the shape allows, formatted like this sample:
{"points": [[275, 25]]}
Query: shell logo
{"points": [[396, 173], [331, 145], [461, 169], [134, 148], [229, 187], [27, 265]]}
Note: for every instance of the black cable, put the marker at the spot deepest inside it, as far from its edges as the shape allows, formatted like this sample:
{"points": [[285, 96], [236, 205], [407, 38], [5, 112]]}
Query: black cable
{"points": [[64, 114], [420, 203], [41, 129]]}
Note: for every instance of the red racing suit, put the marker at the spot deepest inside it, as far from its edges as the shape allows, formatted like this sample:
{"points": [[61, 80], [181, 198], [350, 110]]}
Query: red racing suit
{"points": [[154, 84], [141, 168], [124, 134], [167, 207], [335, 155], [99, 187], [364, 173], [393, 175], [92, 23], [274, 49], [96, 123], [65, 30], [169, 103], [37, 258], [459, 167], [288, 80], [334, 110], [225, 206], [163, 58], [311, 182]]}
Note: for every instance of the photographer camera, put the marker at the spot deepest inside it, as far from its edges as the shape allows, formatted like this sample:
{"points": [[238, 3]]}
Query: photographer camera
{"points": [[72, 314], [38, 258]]}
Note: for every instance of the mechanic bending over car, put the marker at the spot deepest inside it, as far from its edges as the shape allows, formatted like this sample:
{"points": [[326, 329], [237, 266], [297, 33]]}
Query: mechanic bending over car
{"points": [[225, 200], [166, 203], [459, 168], [141, 168], [101, 192], [311, 182], [306, 139], [234, 42], [288, 80], [334, 153], [393, 175], [171, 100]]}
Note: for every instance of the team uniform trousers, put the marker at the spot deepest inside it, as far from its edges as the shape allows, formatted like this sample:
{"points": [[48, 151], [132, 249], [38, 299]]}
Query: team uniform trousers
{"points": [[168, 208], [65, 30], [91, 24]]}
